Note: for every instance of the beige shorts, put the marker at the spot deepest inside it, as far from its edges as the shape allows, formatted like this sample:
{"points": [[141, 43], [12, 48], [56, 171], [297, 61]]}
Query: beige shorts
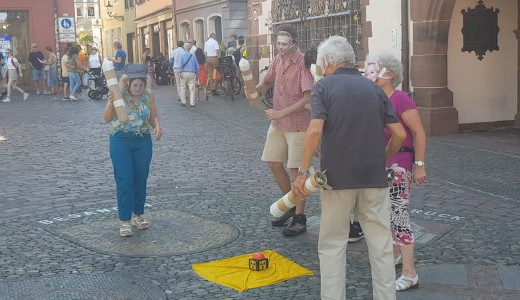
{"points": [[284, 146]]}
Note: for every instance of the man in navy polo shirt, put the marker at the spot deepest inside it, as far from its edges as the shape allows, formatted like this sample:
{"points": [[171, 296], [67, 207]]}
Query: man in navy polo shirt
{"points": [[348, 115]]}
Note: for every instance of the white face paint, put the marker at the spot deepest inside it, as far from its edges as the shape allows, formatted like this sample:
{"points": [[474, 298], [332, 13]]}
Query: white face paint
{"points": [[372, 71], [137, 87], [283, 44]]}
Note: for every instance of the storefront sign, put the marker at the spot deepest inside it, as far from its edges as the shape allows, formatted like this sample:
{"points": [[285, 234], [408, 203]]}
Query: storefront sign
{"points": [[5, 43], [67, 30]]}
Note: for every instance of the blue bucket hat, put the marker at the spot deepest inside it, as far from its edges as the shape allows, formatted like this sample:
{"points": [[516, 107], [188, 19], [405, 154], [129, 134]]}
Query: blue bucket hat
{"points": [[136, 71]]}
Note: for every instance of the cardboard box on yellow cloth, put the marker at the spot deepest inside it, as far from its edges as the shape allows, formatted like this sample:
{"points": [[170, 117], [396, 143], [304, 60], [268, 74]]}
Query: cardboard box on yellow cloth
{"points": [[235, 273]]}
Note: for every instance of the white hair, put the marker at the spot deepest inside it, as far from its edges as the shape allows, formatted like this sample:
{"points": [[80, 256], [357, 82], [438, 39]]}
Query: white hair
{"points": [[336, 51], [187, 46], [391, 64]]}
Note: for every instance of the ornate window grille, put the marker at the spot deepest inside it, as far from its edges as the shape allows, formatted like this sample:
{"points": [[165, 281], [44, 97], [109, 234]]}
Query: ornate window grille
{"points": [[316, 20]]}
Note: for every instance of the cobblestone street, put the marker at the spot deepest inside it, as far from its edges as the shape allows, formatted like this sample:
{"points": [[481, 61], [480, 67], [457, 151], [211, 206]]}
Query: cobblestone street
{"points": [[209, 196]]}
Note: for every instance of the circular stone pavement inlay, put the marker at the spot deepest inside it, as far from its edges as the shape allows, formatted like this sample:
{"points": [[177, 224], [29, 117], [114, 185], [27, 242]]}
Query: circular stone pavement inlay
{"points": [[171, 232], [80, 287]]}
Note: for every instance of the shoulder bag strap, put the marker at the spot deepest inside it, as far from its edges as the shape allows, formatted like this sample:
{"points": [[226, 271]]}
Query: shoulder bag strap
{"points": [[191, 55]]}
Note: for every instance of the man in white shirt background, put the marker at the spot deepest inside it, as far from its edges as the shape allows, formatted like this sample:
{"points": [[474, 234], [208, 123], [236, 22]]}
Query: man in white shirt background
{"points": [[212, 51], [193, 47]]}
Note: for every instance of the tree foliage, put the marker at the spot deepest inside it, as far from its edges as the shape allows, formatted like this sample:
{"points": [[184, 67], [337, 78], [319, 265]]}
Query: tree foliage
{"points": [[85, 39]]}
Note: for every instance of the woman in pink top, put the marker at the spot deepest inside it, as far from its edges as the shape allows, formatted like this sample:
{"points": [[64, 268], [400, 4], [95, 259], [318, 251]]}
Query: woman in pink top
{"points": [[386, 70]]}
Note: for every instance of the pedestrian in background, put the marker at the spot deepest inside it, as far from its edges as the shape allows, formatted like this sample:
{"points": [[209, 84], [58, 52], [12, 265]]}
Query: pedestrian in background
{"points": [[411, 153], [74, 66], [349, 115], [189, 72], [119, 60], [131, 146], [65, 74], [52, 79], [176, 55], [193, 46], [94, 61], [233, 42], [203, 75], [3, 71], [239, 50], [36, 61], [212, 51], [223, 49], [289, 120], [145, 56], [13, 73]]}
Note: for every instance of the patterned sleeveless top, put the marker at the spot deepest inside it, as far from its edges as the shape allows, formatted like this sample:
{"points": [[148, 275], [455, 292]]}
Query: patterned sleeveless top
{"points": [[138, 115]]}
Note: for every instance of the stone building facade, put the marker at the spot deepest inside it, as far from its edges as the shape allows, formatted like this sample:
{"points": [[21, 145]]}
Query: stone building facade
{"points": [[453, 89]]}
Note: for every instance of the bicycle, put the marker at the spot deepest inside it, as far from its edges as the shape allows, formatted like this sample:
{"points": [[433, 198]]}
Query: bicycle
{"points": [[230, 82], [267, 97]]}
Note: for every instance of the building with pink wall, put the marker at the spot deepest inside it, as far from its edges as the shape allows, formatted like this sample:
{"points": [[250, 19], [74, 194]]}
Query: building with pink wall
{"points": [[23, 22]]}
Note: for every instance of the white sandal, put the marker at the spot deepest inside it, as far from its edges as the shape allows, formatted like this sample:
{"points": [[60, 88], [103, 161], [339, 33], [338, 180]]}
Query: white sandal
{"points": [[125, 229], [402, 284], [139, 222]]}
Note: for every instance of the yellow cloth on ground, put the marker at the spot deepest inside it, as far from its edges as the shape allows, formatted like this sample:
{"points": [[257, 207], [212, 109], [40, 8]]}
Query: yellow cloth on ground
{"points": [[235, 273]]}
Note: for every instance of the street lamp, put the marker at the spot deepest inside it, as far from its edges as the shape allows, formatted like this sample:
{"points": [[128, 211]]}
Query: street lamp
{"points": [[108, 8]]}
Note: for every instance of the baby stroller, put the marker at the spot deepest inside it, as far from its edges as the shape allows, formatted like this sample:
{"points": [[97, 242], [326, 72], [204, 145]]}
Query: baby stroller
{"points": [[98, 86]]}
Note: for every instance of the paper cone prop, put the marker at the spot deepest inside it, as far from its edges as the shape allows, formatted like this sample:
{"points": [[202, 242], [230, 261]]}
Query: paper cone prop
{"points": [[113, 86], [314, 183], [251, 92]]}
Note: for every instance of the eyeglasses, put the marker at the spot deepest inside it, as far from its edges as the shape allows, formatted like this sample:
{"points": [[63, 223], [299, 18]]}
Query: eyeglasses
{"points": [[35, 46]]}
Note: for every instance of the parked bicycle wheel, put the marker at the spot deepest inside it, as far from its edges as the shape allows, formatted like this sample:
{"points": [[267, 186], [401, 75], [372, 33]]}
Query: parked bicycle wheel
{"points": [[236, 86]]}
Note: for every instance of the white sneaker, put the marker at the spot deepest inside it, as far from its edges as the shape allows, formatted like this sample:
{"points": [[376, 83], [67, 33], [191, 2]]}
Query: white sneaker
{"points": [[6, 100], [38, 92], [25, 96], [72, 97]]}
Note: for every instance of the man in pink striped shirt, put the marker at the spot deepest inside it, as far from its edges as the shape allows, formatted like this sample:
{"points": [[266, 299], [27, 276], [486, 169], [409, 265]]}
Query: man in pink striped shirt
{"points": [[289, 120]]}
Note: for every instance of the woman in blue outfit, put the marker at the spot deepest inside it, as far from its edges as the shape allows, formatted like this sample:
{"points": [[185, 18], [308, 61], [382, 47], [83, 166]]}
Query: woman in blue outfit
{"points": [[131, 146]]}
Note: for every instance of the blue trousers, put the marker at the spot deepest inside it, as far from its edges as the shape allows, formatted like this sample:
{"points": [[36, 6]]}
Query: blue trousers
{"points": [[75, 82], [131, 156]]}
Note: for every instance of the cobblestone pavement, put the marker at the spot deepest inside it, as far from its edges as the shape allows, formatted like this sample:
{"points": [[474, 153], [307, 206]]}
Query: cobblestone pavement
{"points": [[210, 196]]}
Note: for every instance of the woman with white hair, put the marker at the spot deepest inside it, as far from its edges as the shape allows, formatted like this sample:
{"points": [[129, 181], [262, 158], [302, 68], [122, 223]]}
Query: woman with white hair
{"points": [[386, 70]]}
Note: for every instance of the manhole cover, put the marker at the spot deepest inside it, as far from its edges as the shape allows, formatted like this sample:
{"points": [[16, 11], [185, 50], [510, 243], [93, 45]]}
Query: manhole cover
{"points": [[80, 287], [171, 232]]}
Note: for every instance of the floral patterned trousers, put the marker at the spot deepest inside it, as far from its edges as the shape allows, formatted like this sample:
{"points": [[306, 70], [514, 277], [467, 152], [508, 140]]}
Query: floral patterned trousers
{"points": [[399, 214]]}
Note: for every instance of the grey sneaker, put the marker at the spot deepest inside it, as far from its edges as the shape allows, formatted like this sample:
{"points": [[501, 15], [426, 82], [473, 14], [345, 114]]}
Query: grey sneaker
{"points": [[279, 222], [298, 226]]}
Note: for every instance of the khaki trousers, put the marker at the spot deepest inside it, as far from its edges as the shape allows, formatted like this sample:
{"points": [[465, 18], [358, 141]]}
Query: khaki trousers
{"points": [[190, 79], [211, 64], [177, 81], [373, 211]]}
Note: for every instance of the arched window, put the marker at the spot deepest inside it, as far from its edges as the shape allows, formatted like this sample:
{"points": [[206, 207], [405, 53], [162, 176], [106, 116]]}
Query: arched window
{"points": [[184, 31], [198, 32], [215, 25]]}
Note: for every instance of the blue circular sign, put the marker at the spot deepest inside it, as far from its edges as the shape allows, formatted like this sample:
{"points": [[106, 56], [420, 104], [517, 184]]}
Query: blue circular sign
{"points": [[66, 23]]}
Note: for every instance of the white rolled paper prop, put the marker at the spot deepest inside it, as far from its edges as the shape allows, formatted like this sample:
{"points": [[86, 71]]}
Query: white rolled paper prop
{"points": [[314, 183], [247, 75], [113, 86]]}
